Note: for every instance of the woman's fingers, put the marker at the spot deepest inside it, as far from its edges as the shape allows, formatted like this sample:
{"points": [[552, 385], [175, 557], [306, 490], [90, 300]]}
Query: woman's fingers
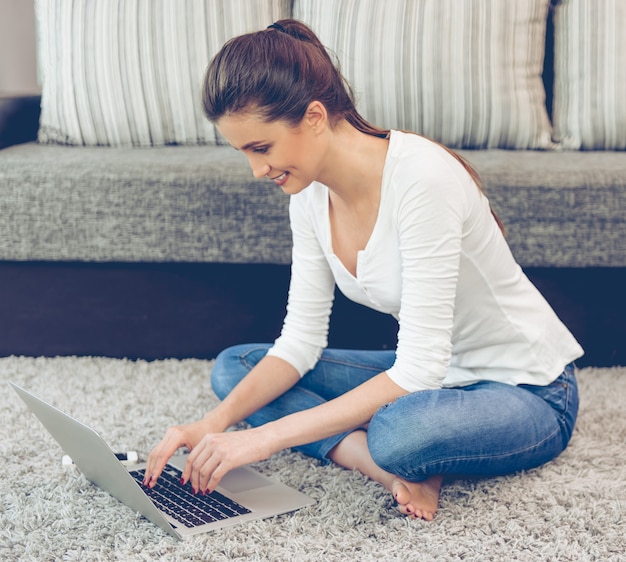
{"points": [[175, 437], [202, 467], [218, 453], [206, 463], [157, 459], [211, 456]]}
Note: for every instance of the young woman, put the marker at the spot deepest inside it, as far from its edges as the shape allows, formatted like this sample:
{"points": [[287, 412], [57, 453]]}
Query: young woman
{"points": [[481, 382]]}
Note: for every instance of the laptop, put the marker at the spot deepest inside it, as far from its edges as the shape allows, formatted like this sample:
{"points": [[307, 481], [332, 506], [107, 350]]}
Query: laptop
{"points": [[244, 494]]}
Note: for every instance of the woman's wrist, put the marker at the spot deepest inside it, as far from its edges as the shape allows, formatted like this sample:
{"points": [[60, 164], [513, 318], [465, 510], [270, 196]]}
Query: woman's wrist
{"points": [[215, 421], [267, 439]]}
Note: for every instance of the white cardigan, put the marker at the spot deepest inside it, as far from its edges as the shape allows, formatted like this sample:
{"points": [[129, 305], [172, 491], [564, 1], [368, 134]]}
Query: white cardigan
{"points": [[436, 261]]}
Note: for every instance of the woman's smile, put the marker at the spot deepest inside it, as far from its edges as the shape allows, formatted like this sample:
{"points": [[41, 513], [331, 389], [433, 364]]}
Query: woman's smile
{"points": [[280, 180]]}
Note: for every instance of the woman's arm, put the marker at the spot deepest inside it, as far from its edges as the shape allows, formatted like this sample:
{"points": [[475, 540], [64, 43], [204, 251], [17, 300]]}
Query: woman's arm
{"points": [[216, 454], [270, 378], [349, 411]]}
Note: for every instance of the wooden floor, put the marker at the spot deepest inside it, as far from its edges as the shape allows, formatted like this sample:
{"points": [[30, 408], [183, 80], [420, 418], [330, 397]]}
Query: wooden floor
{"points": [[154, 311]]}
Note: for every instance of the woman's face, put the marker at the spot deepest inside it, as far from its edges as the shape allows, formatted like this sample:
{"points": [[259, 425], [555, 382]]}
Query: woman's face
{"points": [[289, 156]]}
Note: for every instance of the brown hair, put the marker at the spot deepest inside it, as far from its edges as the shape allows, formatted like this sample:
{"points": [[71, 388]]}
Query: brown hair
{"points": [[278, 72]]}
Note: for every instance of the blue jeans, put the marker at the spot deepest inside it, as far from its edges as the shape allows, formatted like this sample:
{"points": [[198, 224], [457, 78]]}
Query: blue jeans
{"points": [[484, 429]]}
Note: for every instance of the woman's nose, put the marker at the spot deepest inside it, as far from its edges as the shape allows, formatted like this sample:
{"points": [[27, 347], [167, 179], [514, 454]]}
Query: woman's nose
{"points": [[259, 169]]}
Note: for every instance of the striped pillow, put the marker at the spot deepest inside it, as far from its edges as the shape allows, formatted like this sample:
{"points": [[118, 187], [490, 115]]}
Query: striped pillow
{"points": [[589, 110], [129, 73], [464, 72]]}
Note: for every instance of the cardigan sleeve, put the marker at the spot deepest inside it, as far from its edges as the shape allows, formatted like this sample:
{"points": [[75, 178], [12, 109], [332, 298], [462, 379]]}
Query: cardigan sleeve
{"points": [[311, 292], [430, 214]]}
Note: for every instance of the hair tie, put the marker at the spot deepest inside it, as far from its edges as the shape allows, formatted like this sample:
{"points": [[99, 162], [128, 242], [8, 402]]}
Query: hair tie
{"points": [[278, 27]]}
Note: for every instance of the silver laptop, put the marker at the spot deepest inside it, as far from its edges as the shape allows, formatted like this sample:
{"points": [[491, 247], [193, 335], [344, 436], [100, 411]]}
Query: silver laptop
{"points": [[243, 494]]}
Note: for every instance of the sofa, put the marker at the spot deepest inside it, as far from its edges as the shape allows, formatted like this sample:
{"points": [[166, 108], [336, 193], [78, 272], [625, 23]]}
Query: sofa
{"points": [[114, 178]]}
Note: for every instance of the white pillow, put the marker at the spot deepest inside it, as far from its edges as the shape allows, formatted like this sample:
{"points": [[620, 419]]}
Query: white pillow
{"points": [[129, 73], [464, 72], [589, 110]]}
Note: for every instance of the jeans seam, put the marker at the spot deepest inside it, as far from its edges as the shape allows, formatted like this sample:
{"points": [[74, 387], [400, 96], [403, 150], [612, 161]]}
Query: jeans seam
{"points": [[349, 364], [450, 460], [322, 359], [243, 356], [566, 409], [308, 393]]}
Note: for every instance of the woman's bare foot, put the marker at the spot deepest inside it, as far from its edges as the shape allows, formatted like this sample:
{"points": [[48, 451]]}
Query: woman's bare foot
{"points": [[418, 500]]}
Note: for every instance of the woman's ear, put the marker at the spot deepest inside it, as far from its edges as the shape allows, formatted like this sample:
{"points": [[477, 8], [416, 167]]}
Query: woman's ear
{"points": [[316, 116]]}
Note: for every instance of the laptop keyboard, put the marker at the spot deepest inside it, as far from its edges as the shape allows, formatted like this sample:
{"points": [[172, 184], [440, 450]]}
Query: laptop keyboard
{"points": [[180, 503]]}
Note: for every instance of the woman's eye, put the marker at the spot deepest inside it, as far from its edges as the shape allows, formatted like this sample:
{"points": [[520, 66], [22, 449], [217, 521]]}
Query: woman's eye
{"points": [[260, 149]]}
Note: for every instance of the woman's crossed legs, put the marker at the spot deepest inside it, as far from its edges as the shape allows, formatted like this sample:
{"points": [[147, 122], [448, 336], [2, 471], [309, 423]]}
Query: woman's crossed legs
{"points": [[485, 429]]}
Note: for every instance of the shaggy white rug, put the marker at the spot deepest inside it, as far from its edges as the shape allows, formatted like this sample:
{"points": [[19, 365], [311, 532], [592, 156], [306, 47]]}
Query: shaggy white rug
{"points": [[571, 509]]}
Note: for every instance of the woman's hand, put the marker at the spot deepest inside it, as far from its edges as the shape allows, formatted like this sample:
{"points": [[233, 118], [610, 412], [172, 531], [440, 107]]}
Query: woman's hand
{"points": [[218, 453], [269, 379], [178, 436]]}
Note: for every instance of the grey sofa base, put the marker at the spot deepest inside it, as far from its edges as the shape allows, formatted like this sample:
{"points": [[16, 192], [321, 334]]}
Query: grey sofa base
{"points": [[158, 311], [202, 205]]}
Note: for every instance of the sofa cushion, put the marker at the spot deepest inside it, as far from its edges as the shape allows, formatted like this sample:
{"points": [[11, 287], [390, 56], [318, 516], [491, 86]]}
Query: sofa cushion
{"points": [[561, 209], [166, 204], [202, 204], [589, 110], [464, 72], [129, 73]]}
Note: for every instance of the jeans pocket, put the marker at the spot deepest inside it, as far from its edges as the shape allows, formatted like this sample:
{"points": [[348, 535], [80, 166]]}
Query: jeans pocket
{"points": [[562, 396], [558, 393]]}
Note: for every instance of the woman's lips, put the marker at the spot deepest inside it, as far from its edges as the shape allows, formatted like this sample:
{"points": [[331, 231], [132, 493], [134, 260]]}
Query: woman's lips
{"points": [[280, 180]]}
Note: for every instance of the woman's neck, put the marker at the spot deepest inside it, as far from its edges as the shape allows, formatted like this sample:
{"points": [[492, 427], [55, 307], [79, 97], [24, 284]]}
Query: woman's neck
{"points": [[354, 163]]}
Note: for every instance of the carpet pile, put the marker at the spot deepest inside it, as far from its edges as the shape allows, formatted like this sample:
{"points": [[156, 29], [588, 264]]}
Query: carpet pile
{"points": [[573, 508]]}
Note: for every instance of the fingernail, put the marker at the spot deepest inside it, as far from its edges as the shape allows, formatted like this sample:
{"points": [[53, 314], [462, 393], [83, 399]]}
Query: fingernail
{"points": [[182, 481], [194, 490]]}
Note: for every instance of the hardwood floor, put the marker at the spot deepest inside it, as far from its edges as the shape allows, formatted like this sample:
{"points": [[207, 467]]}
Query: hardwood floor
{"points": [[154, 311]]}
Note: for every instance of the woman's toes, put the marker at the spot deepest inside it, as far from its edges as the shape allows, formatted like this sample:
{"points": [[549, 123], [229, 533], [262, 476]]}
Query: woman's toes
{"points": [[406, 510], [417, 499]]}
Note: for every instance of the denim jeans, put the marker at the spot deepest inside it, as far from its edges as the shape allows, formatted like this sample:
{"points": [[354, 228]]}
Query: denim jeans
{"points": [[484, 429]]}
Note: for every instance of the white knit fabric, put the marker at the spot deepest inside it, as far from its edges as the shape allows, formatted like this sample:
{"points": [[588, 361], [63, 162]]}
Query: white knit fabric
{"points": [[129, 72], [590, 74], [464, 72]]}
